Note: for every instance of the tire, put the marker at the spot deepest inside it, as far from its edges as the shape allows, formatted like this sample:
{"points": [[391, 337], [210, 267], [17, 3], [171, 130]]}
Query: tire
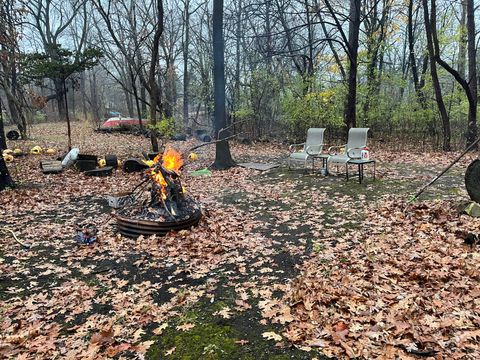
{"points": [[472, 180], [13, 135]]}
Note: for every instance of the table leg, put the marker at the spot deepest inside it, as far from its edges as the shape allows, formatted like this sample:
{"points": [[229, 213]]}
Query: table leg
{"points": [[346, 170]]}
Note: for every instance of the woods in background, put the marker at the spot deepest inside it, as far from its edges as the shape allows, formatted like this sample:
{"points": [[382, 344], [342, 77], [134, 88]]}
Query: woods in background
{"points": [[406, 69]]}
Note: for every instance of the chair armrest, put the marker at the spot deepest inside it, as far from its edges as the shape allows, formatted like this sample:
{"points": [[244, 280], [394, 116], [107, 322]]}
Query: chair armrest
{"points": [[332, 148], [293, 147], [355, 148]]}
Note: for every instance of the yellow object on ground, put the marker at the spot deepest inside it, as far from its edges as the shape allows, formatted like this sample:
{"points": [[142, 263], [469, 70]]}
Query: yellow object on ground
{"points": [[148, 162], [18, 151], [192, 156], [8, 158], [7, 151], [102, 163], [36, 150], [51, 151]]}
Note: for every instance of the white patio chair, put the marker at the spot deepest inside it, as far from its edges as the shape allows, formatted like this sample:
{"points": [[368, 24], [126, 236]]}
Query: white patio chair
{"points": [[310, 149], [357, 140]]}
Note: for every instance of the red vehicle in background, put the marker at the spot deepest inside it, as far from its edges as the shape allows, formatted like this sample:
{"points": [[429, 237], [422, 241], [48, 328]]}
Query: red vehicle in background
{"points": [[119, 121]]}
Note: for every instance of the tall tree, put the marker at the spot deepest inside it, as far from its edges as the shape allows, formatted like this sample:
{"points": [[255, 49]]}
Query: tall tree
{"points": [[353, 36], [223, 158], [351, 44], [418, 85], [52, 20], [11, 18], [432, 46], [59, 68], [470, 85], [186, 54], [472, 73], [152, 80]]}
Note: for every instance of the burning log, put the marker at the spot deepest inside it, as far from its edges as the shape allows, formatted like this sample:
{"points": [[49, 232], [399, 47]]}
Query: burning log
{"points": [[163, 200]]}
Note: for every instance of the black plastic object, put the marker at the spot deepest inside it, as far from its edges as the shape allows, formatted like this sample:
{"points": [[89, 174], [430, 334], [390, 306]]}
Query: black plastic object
{"points": [[85, 165], [179, 137], [87, 157], [205, 138], [472, 180], [111, 160], [105, 171], [133, 165], [13, 135], [150, 155]]}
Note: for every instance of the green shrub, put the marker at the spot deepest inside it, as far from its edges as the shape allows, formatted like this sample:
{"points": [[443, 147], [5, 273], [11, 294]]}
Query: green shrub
{"points": [[167, 127], [314, 109]]}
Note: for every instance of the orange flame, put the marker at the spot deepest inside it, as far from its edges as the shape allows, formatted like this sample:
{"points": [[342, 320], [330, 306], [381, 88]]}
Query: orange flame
{"points": [[171, 160]]}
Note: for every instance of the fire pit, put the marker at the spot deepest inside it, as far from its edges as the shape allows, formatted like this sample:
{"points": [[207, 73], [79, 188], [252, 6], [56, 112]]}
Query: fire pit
{"points": [[160, 203]]}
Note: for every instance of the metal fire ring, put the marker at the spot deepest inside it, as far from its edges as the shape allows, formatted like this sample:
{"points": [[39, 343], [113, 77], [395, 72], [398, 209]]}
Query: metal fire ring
{"points": [[135, 227]]}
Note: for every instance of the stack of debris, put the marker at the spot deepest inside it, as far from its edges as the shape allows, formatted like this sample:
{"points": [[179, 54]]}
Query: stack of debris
{"points": [[86, 163]]}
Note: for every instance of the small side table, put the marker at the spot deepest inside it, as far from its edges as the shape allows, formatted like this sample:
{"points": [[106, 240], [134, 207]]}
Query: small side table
{"points": [[323, 157], [361, 163]]}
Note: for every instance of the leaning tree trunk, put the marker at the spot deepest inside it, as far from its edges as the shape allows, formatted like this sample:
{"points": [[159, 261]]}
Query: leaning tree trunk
{"points": [[223, 158]]}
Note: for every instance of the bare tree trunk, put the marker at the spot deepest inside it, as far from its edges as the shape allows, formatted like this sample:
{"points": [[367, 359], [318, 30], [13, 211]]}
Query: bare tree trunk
{"points": [[353, 35], [431, 43], [60, 97], [472, 73], [152, 80], [94, 96], [186, 44], [413, 62], [83, 92], [462, 43], [5, 179], [69, 131], [223, 158], [238, 39], [133, 80]]}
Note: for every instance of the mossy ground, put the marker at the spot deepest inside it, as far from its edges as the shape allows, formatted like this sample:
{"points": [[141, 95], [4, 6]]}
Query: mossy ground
{"points": [[214, 338]]}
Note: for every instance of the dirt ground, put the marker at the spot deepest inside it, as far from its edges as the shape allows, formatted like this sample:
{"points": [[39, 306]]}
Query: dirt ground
{"points": [[283, 265]]}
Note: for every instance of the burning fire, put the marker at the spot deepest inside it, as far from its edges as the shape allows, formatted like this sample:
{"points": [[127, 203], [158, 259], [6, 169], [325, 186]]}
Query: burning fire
{"points": [[171, 160]]}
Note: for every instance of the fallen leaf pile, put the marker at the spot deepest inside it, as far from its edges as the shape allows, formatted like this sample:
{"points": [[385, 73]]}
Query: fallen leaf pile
{"points": [[405, 284]]}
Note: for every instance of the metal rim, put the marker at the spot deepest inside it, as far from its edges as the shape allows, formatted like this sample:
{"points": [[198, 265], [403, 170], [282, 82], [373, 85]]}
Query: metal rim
{"points": [[135, 227]]}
